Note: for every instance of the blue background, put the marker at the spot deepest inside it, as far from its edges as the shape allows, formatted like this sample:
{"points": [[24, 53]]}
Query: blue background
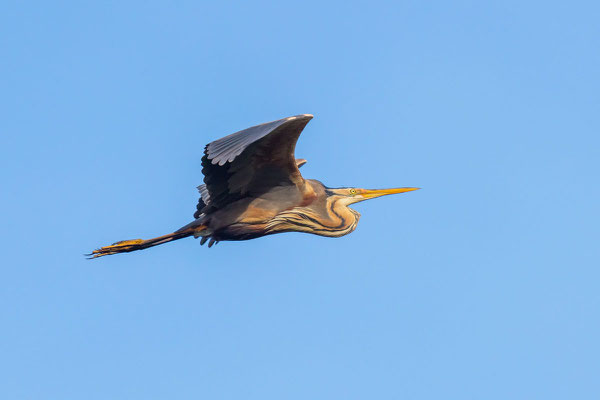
{"points": [[483, 285]]}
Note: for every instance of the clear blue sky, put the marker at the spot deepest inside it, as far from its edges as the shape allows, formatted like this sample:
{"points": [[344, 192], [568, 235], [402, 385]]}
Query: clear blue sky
{"points": [[483, 285]]}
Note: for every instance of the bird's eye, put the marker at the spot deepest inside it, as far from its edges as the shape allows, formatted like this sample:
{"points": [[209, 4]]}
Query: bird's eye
{"points": [[352, 191]]}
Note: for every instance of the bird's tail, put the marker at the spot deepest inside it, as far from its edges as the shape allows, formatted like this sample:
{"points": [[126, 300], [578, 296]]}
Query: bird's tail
{"points": [[125, 246]]}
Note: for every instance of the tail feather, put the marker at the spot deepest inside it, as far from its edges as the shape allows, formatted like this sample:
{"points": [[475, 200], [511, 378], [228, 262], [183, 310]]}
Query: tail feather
{"points": [[126, 246]]}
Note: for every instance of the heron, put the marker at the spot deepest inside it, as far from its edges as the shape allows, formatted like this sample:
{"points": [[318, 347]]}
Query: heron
{"points": [[253, 188]]}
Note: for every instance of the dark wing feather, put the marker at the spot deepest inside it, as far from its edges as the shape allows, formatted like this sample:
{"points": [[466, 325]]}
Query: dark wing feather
{"points": [[250, 162], [203, 201]]}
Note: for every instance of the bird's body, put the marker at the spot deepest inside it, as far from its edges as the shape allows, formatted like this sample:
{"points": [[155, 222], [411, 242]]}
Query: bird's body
{"points": [[253, 188], [282, 209]]}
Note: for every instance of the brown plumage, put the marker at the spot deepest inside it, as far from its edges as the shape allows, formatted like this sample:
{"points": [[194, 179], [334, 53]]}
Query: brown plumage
{"points": [[253, 187]]}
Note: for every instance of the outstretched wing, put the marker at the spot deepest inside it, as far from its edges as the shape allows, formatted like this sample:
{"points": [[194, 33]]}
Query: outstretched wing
{"points": [[251, 162]]}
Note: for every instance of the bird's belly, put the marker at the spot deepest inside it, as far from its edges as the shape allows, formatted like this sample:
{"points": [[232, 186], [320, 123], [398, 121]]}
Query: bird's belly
{"points": [[248, 222], [240, 231]]}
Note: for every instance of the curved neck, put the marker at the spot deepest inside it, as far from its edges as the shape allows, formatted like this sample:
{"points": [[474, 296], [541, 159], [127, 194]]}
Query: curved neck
{"points": [[343, 218], [334, 220]]}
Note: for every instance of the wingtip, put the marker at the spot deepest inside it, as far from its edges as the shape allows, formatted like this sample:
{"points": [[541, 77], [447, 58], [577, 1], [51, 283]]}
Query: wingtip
{"points": [[301, 116]]}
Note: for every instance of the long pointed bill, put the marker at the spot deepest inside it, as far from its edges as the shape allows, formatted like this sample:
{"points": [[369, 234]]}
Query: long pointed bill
{"points": [[371, 194]]}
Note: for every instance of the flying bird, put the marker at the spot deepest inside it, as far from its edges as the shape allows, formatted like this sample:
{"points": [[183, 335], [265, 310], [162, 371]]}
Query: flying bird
{"points": [[253, 188]]}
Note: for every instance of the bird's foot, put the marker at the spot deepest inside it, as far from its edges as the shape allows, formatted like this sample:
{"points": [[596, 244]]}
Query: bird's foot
{"points": [[119, 247]]}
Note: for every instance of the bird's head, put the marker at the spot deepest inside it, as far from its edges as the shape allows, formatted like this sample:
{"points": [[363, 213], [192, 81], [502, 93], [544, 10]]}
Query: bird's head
{"points": [[352, 195]]}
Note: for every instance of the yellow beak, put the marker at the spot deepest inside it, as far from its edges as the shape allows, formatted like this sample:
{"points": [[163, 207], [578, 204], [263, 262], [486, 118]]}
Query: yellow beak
{"points": [[371, 194]]}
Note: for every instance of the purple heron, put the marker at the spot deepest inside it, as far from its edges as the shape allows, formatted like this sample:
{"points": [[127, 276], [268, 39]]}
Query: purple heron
{"points": [[253, 187]]}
